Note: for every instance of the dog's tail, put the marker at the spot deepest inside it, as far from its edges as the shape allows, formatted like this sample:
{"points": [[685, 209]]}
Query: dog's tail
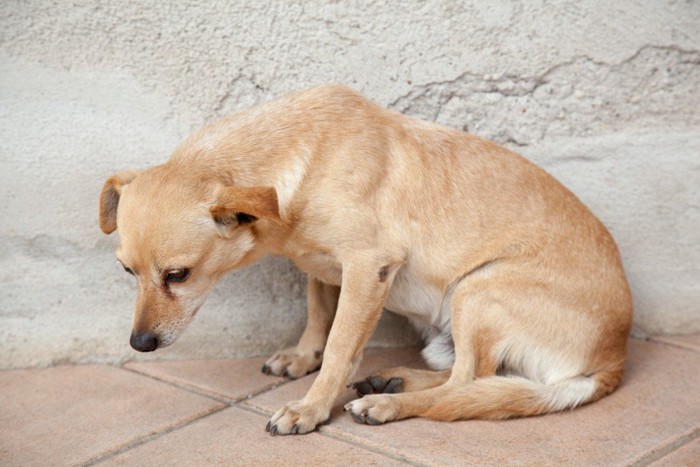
{"points": [[500, 397]]}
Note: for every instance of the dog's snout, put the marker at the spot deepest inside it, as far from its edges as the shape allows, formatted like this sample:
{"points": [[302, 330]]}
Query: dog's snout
{"points": [[146, 342]]}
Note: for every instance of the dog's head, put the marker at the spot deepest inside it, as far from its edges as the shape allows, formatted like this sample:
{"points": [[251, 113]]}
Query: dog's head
{"points": [[179, 233]]}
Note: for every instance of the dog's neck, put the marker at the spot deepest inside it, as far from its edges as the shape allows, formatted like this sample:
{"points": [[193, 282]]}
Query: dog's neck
{"points": [[254, 157]]}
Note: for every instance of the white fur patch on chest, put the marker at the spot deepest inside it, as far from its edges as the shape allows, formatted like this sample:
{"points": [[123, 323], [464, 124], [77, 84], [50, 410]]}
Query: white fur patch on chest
{"points": [[289, 180], [423, 304]]}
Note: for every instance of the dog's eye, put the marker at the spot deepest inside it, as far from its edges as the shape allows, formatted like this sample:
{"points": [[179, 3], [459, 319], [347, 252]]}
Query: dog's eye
{"points": [[177, 275], [128, 270]]}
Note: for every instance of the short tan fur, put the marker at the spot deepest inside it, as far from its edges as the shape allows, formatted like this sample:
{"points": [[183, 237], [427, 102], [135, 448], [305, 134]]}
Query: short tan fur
{"points": [[516, 285]]}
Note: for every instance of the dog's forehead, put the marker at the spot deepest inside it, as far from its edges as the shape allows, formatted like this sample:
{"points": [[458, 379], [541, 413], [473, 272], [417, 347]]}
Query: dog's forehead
{"points": [[162, 219]]}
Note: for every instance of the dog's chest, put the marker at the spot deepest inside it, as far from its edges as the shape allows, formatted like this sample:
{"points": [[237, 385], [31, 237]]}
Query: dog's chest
{"points": [[408, 296]]}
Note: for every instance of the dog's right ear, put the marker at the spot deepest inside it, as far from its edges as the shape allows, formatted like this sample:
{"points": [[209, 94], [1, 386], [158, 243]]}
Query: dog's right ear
{"points": [[237, 206], [109, 198]]}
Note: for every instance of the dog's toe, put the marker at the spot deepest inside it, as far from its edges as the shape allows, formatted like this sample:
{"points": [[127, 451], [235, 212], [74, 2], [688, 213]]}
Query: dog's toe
{"points": [[296, 418], [358, 417], [373, 409], [372, 421], [291, 364], [363, 388], [393, 386], [378, 385]]}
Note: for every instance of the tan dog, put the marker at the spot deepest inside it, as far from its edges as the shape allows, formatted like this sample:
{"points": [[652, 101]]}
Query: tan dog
{"points": [[517, 287]]}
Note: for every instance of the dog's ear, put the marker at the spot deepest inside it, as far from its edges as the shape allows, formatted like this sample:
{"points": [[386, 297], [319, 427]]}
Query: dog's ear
{"points": [[109, 198], [237, 205]]}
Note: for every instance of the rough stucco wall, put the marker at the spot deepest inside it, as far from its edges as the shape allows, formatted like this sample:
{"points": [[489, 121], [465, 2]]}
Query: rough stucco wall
{"points": [[605, 95]]}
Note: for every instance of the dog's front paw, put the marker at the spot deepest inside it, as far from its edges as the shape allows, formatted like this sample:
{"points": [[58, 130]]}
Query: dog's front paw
{"points": [[373, 410], [292, 363], [296, 418]]}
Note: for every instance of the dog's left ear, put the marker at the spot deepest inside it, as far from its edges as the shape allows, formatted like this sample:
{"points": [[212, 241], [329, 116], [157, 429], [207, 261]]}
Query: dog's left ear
{"points": [[239, 205], [109, 198]]}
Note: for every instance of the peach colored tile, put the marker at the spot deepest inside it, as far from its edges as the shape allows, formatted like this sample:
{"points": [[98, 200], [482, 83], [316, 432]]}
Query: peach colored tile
{"points": [[231, 379], [374, 360], [657, 403], [236, 437], [687, 455], [688, 342], [71, 414]]}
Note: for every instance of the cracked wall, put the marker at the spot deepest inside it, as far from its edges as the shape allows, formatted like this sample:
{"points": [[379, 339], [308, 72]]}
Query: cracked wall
{"points": [[603, 94], [581, 97]]}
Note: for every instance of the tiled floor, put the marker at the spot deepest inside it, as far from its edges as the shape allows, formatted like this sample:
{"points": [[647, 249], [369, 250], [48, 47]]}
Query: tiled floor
{"points": [[214, 412]]}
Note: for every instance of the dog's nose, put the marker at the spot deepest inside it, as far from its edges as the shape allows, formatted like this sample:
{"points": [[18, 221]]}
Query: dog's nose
{"points": [[147, 342]]}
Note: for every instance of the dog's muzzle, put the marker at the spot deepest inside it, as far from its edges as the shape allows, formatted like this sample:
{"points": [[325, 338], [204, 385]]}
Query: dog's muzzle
{"points": [[147, 342]]}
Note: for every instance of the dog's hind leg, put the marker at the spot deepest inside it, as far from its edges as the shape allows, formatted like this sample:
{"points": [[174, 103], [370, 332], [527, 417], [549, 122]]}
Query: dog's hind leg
{"points": [[491, 398], [496, 327], [307, 355], [400, 379]]}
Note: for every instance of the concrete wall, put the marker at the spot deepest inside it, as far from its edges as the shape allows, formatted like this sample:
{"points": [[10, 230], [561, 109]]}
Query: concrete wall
{"points": [[604, 94]]}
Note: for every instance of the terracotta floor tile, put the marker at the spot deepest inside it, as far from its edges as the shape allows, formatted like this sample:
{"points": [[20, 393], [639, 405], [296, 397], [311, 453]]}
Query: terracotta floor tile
{"points": [[688, 342], [374, 359], [237, 437], [231, 379], [657, 403], [687, 455], [70, 414]]}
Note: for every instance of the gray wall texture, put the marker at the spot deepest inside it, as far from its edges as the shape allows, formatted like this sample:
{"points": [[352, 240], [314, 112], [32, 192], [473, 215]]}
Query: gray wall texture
{"points": [[603, 94]]}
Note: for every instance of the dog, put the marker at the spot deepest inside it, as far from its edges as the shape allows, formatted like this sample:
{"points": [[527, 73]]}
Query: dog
{"points": [[517, 287]]}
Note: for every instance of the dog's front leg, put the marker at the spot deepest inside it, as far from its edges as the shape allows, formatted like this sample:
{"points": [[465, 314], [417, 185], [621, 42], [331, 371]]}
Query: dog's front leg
{"points": [[365, 285], [305, 357]]}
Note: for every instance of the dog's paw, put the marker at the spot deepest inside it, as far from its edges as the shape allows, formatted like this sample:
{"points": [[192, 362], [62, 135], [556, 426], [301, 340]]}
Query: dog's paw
{"points": [[378, 385], [296, 418], [292, 363], [373, 409]]}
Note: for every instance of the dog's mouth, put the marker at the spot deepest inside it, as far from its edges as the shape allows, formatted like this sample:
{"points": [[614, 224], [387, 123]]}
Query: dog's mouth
{"points": [[162, 336], [196, 310]]}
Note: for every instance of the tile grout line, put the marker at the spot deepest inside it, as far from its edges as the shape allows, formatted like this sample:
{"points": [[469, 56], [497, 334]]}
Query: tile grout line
{"points": [[672, 345], [191, 389], [240, 404], [368, 447], [665, 449], [204, 393], [151, 437], [249, 408], [227, 403], [338, 437]]}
